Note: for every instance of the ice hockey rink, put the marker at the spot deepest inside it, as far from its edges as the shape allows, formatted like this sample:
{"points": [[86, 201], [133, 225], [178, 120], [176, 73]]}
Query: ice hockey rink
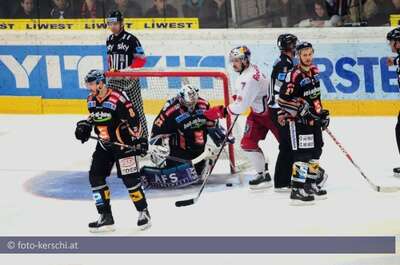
{"points": [[39, 152]]}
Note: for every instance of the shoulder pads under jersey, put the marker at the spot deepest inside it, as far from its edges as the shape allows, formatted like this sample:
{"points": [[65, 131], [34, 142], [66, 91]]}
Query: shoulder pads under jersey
{"points": [[203, 101], [170, 103], [314, 69]]}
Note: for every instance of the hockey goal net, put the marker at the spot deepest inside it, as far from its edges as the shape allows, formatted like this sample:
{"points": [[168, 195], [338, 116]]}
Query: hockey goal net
{"points": [[149, 90]]}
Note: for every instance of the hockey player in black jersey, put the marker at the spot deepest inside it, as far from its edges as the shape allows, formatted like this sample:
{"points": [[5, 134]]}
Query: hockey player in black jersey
{"points": [[179, 135], [300, 100], [282, 66], [113, 119], [394, 41]]}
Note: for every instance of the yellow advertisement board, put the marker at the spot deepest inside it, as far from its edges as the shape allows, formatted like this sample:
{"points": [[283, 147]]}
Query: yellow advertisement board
{"points": [[395, 20], [98, 24]]}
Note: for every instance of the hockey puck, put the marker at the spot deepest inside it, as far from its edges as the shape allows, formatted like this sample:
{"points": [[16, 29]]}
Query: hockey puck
{"points": [[229, 184]]}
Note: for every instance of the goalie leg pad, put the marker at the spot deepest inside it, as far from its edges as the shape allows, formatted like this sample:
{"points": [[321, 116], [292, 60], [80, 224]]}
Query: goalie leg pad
{"points": [[170, 177]]}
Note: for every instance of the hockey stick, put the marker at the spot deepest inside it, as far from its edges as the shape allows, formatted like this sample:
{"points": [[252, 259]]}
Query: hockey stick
{"points": [[373, 185], [198, 159], [195, 199]]}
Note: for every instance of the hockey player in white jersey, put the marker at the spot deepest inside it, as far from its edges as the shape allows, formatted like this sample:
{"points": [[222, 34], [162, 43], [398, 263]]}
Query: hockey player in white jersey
{"points": [[252, 89]]}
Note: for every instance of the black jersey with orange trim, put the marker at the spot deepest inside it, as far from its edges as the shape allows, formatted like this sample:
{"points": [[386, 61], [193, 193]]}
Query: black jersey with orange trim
{"points": [[299, 86], [187, 129], [114, 117]]}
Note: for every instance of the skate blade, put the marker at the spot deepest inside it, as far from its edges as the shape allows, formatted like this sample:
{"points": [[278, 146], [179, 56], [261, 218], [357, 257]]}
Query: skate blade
{"points": [[323, 182], [282, 190], [320, 198], [145, 227], [261, 186], [103, 229], [301, 203]]}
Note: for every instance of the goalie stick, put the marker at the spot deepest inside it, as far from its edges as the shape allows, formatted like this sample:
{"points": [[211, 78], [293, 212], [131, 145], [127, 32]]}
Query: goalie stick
{"points": [[373, 185], [195, 199], [201, 157]]}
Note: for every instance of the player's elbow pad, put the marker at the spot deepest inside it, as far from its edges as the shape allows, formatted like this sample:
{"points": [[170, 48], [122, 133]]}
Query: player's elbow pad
{"points": [[138, 62]]}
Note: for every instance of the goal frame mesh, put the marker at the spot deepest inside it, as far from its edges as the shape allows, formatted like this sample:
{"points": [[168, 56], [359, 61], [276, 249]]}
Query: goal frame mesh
{"points": [[165, 74]]}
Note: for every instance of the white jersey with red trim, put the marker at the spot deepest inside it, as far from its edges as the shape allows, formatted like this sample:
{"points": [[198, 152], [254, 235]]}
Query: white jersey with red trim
{"points": [[252, 89]]}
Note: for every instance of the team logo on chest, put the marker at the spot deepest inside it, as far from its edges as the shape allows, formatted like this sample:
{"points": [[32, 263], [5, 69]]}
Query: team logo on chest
{"points": [[122, 46], [100, 116]]}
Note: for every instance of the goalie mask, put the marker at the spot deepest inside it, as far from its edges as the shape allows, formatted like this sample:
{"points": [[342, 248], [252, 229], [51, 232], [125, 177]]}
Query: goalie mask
{"points": [[188, 96]]}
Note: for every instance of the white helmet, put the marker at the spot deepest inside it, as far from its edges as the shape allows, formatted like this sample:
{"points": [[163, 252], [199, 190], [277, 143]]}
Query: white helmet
{"points": [[188, 96], [241, 52]]}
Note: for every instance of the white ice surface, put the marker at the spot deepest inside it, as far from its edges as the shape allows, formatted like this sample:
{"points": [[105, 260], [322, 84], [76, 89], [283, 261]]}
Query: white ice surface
{"points": [[31, 145]]}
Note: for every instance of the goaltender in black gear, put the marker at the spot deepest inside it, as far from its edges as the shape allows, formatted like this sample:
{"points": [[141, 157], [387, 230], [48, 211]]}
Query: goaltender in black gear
{"points": [[179, 137], [114, 120]]}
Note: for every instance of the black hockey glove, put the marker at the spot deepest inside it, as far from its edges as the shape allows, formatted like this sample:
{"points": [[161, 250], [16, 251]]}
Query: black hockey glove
{"points": [[304, 109], [140, 146], [324, 119], [83, 130], [218, 135]]}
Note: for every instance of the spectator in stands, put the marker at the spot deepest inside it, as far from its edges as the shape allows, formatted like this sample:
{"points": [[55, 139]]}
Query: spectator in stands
{"points": [[61, 9], [337, 7], [191, 8], [25, 10], [5, 9], [384, 8], [161, 9], [396, 5], [128, 8], [284, 13], [371, 12], [214, 14], [359, 14], [91, 9], [320, 17]]}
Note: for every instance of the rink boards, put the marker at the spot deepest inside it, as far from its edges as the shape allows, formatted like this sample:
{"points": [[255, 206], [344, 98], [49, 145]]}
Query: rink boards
{"points": [[42, 71]]}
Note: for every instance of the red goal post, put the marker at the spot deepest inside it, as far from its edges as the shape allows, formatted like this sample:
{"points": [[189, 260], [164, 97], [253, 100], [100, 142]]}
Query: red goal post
{"points": [[182, 76]]}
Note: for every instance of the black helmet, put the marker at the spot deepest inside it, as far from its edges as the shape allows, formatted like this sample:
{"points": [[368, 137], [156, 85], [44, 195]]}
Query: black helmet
{"points": [[95, 75], [287, 41], [115, 16], [394, 34], [303, 45]]}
